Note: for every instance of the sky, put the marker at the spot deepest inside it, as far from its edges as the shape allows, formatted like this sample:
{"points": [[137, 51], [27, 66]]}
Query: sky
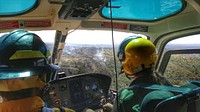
{"points": [[105, 37], [195, 39], [84, 36], [96, 37], [102, 37]]}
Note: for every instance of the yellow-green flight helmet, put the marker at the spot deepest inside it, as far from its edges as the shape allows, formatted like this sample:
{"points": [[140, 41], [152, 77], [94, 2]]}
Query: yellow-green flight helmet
{"points": [[136, 54]]}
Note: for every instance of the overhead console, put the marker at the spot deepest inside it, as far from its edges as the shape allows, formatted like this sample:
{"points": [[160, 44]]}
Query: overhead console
{"points": [[79, 9], [80, 91]]}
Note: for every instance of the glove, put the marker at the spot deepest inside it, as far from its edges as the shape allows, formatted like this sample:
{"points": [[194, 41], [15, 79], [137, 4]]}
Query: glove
{"points": [[107, 107], [88, 110]]}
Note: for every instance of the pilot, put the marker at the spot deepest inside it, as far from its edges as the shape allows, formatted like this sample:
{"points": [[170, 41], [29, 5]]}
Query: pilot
{"points": [[138, 57], [24, 72]]}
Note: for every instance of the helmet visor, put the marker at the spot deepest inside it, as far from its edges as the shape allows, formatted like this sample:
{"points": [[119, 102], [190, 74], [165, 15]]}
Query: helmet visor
{"points": [[10, 73]]}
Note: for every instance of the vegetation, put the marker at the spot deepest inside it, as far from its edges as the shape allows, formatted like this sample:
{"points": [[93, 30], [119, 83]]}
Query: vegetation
{"points": [[99, 59], [78, 60], [183, 67]]}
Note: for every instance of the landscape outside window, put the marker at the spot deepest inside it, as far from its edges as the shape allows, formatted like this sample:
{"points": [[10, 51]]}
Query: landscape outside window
{"points": [[183, 67], [91, 52]]}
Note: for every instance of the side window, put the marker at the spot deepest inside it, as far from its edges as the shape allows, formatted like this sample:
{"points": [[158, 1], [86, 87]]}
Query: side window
{"points": [[182, 60], [183, 67]]}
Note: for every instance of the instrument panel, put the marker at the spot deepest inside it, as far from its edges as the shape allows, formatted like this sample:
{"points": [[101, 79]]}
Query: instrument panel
{"points": [[80, 91]]}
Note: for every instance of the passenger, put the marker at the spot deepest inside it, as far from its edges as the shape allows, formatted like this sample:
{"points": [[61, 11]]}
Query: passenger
{"points": [[24, 71], [138, 57]]}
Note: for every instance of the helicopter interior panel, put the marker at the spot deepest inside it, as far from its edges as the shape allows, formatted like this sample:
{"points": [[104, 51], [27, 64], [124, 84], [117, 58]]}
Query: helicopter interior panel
{"points": [[80, 91]]}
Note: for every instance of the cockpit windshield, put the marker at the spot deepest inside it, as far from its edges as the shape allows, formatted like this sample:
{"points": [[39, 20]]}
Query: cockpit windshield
{"points": [[90, 51]]}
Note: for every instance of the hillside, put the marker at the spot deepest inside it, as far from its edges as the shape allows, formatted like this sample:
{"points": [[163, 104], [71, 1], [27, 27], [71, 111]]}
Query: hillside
{"points": [[78, 59]]}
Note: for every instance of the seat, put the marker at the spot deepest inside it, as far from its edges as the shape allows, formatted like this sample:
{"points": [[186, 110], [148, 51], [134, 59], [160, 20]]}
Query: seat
{"points": [[172, 99], [146, 97], [153, 98], [186, 102]]}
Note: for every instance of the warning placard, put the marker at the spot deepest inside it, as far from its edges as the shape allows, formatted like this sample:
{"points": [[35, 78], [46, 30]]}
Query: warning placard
{"points": [[115, 25], [9, 24], [24, 24], [45, 23]]}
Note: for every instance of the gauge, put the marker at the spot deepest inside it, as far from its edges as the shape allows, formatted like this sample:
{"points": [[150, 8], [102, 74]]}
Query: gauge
{"points": [[94, 87], [87, 87], [63, 87]]}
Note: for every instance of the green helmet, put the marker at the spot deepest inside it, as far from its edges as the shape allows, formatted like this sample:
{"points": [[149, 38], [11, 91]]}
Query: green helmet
{"points": [[23, 54]]}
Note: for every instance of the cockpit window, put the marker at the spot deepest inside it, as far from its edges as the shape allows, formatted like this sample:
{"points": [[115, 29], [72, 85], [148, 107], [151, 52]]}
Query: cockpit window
{"points": [[142, 10], [91, 51], [183, 55], [15, 7]]}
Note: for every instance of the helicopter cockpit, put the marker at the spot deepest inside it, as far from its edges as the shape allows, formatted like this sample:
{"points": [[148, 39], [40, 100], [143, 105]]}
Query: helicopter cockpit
{"points": [[84, 35]]}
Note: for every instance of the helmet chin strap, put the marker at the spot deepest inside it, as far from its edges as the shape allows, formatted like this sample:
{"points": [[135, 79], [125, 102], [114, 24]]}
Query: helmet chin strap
{"points": [[129, 77], [122, 71]]}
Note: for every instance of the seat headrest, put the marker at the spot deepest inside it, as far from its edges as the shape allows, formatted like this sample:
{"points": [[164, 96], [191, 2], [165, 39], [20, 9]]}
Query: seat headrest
{"points": [[151, 100]]}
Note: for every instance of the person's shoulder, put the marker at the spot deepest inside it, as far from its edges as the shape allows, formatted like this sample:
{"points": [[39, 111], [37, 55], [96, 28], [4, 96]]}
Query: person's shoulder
{"points": [[126, 94]]}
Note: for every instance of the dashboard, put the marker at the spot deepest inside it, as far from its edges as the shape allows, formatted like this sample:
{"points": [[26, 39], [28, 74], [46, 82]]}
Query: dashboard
{"points": [[80, 91]]}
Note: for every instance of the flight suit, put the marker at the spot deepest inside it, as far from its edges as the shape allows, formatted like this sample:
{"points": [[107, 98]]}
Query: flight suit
{"points": [[31, 104]]}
